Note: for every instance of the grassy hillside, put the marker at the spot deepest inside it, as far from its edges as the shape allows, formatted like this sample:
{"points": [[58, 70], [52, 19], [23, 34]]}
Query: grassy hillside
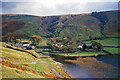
{"points": [[30, 27], [18, 64], [109, 22], [112, 26], [77, 27], [81, 27]]}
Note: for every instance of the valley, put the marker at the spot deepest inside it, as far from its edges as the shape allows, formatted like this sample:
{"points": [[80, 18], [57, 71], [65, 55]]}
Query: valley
{"points": [[61, 46]]}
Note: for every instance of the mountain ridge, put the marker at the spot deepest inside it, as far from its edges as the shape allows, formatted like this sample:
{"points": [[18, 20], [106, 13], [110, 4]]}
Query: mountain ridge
{"points": [[77, 27]]}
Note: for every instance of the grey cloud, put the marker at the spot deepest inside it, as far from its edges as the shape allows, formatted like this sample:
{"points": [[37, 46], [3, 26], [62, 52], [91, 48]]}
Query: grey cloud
{"points": [[58, 9], [68, 7], [25, 7], [86, 7]]}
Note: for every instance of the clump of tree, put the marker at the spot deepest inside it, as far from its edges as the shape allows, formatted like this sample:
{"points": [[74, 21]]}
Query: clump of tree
{"points": [[62, 45], [35, 39], [79, 42], [56, 47], [69, 48], [17, 41], [72, 48], [98, 45], [66, 41]]}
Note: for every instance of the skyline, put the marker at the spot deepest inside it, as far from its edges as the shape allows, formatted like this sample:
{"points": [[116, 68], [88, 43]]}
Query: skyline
{"points": [[60, 7]]}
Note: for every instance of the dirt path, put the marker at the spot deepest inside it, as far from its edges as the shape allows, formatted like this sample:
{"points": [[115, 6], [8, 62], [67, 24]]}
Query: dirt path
{"points": [[54, 71]]}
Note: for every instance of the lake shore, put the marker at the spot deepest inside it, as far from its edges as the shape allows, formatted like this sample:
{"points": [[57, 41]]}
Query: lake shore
{"points": [[78, 55], [83, 54]]}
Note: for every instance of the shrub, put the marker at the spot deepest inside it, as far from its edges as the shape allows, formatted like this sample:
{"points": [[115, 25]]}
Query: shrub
{"points": [[17, 40]]}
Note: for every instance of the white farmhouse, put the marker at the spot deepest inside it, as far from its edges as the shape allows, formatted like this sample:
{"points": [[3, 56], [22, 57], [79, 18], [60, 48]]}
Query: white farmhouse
{"points": [[79, 47], [25, 44]]}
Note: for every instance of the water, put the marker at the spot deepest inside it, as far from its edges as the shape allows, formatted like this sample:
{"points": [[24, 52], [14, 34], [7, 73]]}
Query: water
{"points": [[109, 59], [77, 71]]}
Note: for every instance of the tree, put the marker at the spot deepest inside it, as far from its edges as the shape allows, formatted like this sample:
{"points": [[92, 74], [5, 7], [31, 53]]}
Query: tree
{"points": [[65, 40], [17, 40], [65, 49], [48, 43], [93, 43], [98, 45], [72, 48], [52, 48], [51, 35], [79, 42], [36, 39], [84, 46], [90, 38], [59, 46]]}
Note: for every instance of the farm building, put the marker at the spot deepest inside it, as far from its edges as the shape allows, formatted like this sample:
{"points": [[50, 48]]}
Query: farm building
{"points": [[79, 46], [29, 48], [85, 46], [25, 45]]}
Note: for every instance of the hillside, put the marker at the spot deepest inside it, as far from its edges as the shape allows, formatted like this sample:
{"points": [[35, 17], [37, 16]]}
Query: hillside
{"points": [[112, 26], [76, 27], [109, 22], [18, 63]]}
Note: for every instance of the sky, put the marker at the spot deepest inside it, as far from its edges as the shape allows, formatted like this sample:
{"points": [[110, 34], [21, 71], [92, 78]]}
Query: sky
{"points": [[56, 7]]}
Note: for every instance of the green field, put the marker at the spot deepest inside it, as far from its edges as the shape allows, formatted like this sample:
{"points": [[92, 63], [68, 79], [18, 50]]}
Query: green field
{"points": [[113, 50], [107, 41], [83, 53]]}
